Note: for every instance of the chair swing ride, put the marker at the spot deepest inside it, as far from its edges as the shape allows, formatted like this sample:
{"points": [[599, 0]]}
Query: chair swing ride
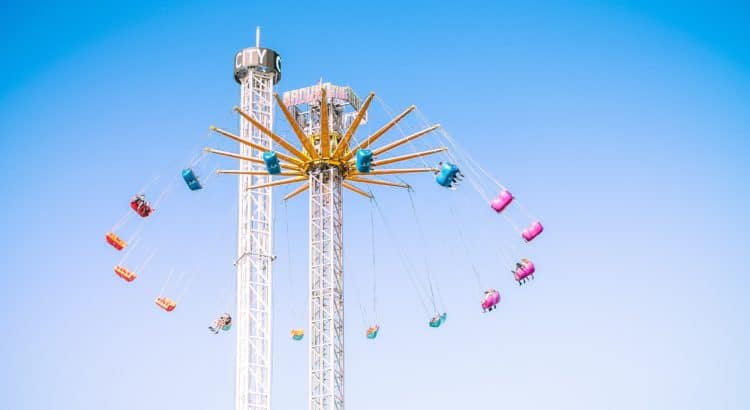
{"points": [[328, 160], [328, 150]]}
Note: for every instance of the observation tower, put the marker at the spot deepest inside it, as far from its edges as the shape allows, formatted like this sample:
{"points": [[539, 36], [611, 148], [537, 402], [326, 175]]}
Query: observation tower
{"points": [[257, 70]]}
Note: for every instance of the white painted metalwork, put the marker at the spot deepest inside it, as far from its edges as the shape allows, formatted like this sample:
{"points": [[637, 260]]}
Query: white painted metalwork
{"points": [[326, 360], [326, 167], [324, 119], [254, 253]]}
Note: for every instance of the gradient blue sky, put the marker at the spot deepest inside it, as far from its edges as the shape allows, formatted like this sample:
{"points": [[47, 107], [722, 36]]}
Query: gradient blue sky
{"points": [[623, 126]]}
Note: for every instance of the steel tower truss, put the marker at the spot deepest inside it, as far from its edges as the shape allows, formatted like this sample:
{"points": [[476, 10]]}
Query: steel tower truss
{"points": [[325, 165], [326, 378], [254, 254]]}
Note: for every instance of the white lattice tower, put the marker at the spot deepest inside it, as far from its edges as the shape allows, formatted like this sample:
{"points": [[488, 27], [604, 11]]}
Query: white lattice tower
{"points": [[254, 236], [326, 383]]}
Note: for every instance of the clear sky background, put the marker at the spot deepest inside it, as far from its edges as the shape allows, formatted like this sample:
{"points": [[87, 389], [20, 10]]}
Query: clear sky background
{"points": [[623, 126]]}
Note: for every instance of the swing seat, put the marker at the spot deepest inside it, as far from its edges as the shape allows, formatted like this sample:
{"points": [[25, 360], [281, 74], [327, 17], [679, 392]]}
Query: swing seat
{"points": [[491, 299], [298, 334], [272, 162], [141, 206], [364, 160], [115, 241], [532, 231], [527, 269], [447, 175], [372, 332], [227, 322], [125, 274], [223, 322], [438, 320], [191, 180], [502, 201], [166, 303]]}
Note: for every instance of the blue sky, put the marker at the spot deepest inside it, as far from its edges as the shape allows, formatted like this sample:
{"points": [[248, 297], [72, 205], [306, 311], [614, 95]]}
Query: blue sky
{"points": [[623, 126]]}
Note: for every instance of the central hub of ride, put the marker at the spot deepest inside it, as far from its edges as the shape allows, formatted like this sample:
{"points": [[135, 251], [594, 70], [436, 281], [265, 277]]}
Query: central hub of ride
{"points": [[325, 164], [306, 106]]}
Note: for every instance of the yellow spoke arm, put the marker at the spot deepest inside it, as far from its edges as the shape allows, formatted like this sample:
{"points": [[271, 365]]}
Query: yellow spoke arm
{"points": [[244, 172], [404, 140], [344, 144], [357, 190], [279, 140], [297, 130], [400, 171], [374, 137], [378, 182], [279, 182], [407, 157], [325, 133], [256, 146], [249, 159], [298, 191]]}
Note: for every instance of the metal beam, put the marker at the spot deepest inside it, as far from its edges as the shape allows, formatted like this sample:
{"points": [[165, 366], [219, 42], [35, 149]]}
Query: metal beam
{"points": [[278, 139], [242, 172], [404, 140], [374, 137], [344, 144], [325, 133], [298, 191], [406, 157], [279, 182], [250, 159], [311, 152], [398, 171], [256, 146], [357, 190], [378, 182]]}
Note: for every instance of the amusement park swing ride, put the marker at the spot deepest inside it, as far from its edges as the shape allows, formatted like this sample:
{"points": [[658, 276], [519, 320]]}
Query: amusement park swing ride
{"points": [[324, 119]]}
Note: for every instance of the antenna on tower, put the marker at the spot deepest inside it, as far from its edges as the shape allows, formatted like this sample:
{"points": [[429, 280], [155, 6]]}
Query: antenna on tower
{"points": [[257, 37]]}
